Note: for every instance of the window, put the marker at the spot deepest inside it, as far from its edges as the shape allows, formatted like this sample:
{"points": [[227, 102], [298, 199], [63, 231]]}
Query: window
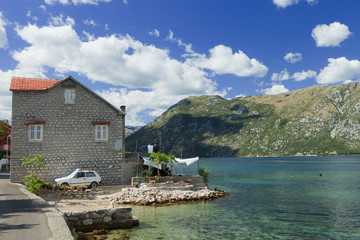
{"points": [[90, 174], [80, 175], [101, 133], [35, 132], [69, 95]]}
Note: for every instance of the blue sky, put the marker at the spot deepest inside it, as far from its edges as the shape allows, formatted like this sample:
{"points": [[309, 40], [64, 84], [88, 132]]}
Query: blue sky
{"points": [[149, 54]]}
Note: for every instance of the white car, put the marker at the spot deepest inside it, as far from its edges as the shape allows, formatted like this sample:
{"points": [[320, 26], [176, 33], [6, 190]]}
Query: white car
{"points": [[81, 176]]}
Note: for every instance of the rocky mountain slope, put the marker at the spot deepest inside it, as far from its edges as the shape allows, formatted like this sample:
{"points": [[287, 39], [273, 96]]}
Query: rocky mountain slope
{"points": [[320, 120]]}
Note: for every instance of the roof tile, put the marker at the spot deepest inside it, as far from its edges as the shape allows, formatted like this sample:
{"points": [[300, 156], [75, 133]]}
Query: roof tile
{"points": [[31, 84]]}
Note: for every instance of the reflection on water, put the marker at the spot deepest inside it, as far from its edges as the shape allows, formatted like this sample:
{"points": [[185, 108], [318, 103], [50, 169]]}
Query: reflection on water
{"points": [[264, 202]]}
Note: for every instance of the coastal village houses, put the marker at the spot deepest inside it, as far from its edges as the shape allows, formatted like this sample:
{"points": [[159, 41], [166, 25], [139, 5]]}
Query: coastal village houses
{"points": [[72, 126]]}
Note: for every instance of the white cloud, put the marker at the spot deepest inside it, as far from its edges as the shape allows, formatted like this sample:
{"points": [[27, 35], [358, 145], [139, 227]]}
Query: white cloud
{"points": [[106, 27], [61, 20], [287, 3], [330, 35], [240, 95], [52, 2], [155, 33], [90, 37], [275, 89], [282, 76], [300, 76], [293, 57], [76, 2], [3, 37], [90, 22], [137, 101], [222, 60], [339, 70], [348, 81], [188, 47], [312, 2], [118, 60]]}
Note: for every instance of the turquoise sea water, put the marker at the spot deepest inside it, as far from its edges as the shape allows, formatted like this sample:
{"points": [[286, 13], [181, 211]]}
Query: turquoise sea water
{"points": [[264, 202]]}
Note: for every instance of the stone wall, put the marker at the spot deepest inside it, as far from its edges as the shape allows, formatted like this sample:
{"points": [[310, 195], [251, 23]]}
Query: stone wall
{"points": [[107, 219], [68, 134]]}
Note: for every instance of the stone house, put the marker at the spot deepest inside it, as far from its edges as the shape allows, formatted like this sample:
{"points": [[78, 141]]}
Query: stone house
{"points": [[72, 126]]}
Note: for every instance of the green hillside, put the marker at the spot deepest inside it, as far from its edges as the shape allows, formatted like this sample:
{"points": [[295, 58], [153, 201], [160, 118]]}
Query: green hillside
{"points": [[320, 120]]}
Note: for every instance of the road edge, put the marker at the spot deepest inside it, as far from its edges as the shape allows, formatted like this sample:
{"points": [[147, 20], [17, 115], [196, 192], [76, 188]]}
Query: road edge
{"points": [[56, 221]]}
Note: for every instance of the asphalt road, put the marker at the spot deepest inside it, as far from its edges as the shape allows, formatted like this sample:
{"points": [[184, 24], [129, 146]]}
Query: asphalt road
{"points": [[20, 216]]}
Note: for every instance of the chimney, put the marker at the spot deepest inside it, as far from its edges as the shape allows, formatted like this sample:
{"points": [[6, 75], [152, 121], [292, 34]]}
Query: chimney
{"points": [[123, 108]]}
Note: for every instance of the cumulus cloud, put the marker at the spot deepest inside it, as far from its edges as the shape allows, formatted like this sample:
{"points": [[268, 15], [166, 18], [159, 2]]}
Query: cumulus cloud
{"points": [[75, 2], [138, 101], [300, 76], [3, 37], [117, 60], [282, 76], [240, 96], [275, 89], [293, 57], [155, 33], [222, 60], [330, 35], [339, 70], [144, 77]]}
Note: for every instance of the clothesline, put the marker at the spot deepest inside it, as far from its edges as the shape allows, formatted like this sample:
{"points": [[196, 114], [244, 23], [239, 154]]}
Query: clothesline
{"points": [[187, 161]]}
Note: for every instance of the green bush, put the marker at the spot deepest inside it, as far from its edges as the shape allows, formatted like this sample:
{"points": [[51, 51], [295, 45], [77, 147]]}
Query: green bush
{"points": [[33, 183], [74, 234], [203, 171]]}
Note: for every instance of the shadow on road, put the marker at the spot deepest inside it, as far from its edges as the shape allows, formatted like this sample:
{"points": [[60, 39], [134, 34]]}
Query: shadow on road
{"points": [[4, 227], [13, 206]]}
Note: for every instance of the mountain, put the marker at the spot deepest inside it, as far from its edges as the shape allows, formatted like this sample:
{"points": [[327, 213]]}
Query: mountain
{"points": [[319, 120], [130, 130]]}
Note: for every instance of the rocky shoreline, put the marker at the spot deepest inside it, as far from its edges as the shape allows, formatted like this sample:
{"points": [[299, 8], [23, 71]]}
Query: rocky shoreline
{"points": [[158, 196]]}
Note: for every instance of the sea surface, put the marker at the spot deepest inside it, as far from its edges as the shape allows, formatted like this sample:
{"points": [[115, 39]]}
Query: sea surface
{"points": [[270, 198]]}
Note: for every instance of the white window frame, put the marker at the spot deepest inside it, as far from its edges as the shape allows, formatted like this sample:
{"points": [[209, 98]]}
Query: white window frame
{"points": [[69, 95], [101, 133], [35, 133]]}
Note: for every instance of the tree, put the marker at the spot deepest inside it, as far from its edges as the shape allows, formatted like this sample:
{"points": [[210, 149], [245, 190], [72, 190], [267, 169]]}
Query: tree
{"points": [[160, 158], [5, 131]]}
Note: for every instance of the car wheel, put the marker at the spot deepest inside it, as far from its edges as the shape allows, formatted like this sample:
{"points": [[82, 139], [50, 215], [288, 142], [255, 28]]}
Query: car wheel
{"points": [[94, 185], [64, 184]]}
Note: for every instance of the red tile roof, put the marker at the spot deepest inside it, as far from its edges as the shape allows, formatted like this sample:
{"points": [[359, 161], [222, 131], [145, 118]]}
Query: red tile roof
{"points": [[28, 84]]}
